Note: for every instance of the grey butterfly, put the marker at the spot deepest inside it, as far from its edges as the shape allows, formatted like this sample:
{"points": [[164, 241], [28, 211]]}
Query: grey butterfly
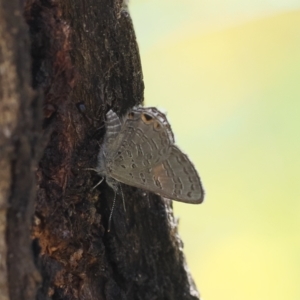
{"points": [[139, 150]]}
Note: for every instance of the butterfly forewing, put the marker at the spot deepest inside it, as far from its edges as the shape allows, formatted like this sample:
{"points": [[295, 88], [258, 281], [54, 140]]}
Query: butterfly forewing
{"points": [[146, 140]]}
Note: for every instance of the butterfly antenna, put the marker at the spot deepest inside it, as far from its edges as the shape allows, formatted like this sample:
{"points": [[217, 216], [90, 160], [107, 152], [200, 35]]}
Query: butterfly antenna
{"points": [[123, 197], [90, 169], [111, 212], [98, 183]]}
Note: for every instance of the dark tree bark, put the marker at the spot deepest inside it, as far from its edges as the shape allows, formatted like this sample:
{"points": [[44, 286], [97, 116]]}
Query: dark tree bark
{"points": [[20, 128], [63, 70]]}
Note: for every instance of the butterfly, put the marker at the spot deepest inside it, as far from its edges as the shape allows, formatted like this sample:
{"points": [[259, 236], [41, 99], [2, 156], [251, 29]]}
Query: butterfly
{"points": [[139, 150]]}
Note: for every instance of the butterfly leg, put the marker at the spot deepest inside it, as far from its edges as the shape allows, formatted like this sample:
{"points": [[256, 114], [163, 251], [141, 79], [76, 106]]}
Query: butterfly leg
{"points": [[115, 185], [98, 183], [123, 197], [111, 212], [92, 169]]}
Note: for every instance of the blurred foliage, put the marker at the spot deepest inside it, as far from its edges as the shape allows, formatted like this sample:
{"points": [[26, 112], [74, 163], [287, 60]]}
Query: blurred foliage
{"points": [[231, 87]]}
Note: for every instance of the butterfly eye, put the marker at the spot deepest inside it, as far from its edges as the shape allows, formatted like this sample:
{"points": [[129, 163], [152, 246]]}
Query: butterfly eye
{"points": [[146, 118]]}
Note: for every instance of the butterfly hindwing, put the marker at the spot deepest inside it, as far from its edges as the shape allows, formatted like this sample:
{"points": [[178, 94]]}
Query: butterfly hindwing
{"points": [[174, 178]]}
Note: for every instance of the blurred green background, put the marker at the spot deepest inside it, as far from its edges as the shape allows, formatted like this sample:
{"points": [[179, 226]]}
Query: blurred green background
{"points": [[228, 72]]}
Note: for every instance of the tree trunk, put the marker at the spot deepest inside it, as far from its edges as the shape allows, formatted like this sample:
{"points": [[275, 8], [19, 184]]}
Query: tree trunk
{"points": [[60, 73]]}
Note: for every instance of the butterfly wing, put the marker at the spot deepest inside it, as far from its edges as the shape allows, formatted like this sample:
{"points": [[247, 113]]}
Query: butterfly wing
{"points": [[147, 158], [146, 139], [174, 178]]}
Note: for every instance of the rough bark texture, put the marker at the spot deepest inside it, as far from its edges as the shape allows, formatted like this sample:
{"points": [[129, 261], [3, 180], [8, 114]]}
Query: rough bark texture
{"points": [[20, 123], [84, 61]]}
